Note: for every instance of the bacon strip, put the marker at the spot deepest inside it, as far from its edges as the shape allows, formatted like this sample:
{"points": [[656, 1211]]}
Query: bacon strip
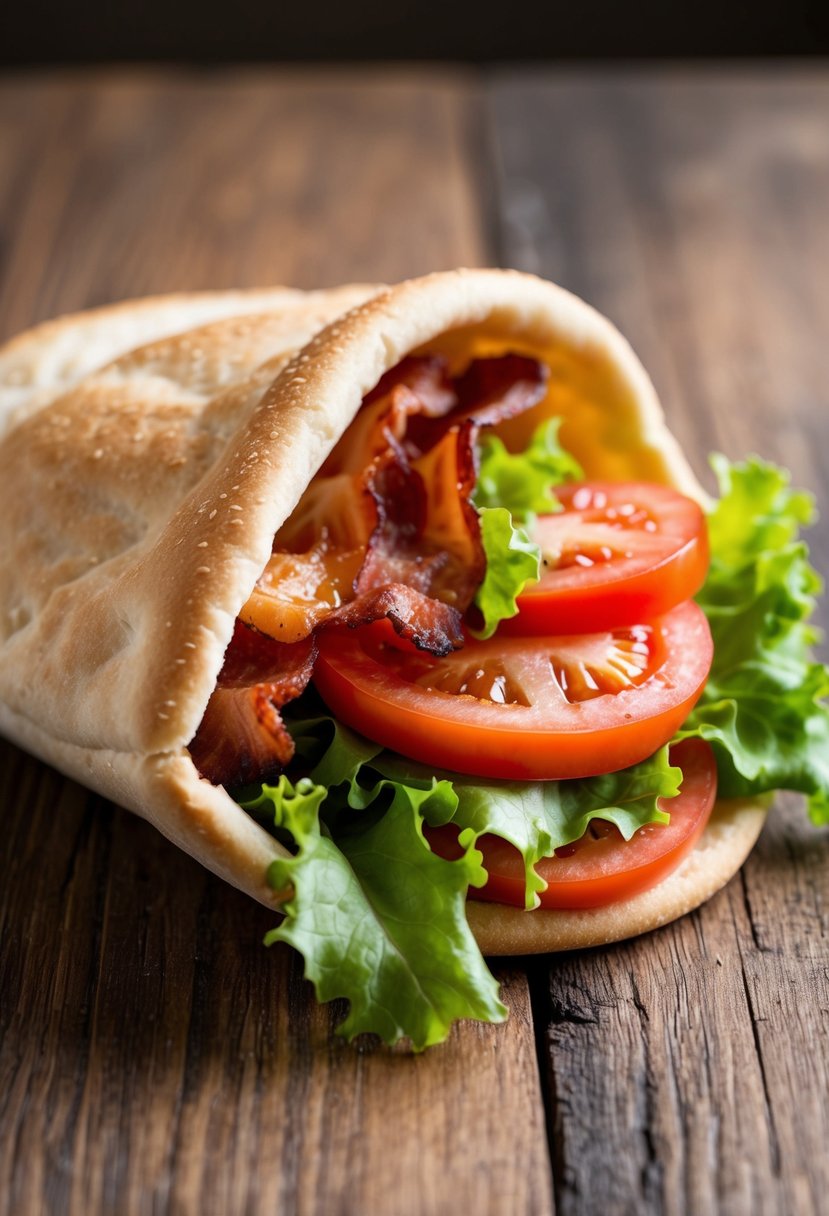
{"points": [[427, 376], [429, 624], [418, 385], [242, 737], [296, 592], [489, 391], [451, 525], [385, 530], [493, 390]]}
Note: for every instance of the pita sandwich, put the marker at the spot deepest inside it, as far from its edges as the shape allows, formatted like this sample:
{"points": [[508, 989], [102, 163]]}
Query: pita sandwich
{"points": [[149, 453]]}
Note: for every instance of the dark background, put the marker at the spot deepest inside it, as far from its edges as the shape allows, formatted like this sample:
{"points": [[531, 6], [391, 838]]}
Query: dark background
{"points": [[213, 31]]}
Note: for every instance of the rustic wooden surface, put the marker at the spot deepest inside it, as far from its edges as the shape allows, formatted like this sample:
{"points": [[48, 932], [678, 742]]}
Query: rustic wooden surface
{"points": [[154, 1057]]}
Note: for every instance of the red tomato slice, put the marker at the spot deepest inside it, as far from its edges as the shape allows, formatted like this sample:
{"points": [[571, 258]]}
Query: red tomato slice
{"points": [[523, 708], [602, 868], [618, 553]]}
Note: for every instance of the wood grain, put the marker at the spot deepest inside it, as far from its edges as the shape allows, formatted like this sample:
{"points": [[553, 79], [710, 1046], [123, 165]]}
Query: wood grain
{"points": [[155, 1058], [159, 1059], [127, 183], [689, 1071]]}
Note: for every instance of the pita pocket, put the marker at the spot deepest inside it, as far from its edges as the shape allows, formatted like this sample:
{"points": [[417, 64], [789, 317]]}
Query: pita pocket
{"points": [[150, 452]]}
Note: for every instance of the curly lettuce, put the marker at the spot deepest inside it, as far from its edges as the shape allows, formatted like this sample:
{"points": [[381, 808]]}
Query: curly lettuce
{"points": [[512, 561], [512, 488], [522, 481], [764, 707], [377, 916]]}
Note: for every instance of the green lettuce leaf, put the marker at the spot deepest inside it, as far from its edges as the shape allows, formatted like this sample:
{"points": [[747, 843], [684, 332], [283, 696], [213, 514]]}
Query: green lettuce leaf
{"points": [[378, 918], [764, 707], [512, 561], [538, 817], [757, 511], [521, 481], [512, 488]]}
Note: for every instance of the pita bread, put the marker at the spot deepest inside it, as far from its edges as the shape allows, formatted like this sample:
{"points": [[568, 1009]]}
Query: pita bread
{"points": [[151, 450]]}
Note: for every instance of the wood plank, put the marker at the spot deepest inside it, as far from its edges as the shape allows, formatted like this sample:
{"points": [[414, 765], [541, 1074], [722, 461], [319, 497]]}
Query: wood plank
{"points": [[688, 1072], [126, 183], [154, 1056]]}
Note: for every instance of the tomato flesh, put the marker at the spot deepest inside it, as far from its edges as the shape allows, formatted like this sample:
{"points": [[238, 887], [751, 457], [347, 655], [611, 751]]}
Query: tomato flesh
{"points": [[616, 554], [523, 708], [602, 868]]}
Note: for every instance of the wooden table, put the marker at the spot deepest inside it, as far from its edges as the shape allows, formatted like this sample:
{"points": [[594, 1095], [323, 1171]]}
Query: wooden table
{"points": [[155, 1058]]}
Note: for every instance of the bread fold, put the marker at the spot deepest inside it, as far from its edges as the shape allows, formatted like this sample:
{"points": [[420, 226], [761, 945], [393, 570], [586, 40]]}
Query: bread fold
{"points": [[150, 451]]}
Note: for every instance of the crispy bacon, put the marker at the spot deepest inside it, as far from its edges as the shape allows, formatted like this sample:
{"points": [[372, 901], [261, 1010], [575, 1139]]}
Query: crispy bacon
{"points": [[369, 539], [418, 385], [451, 524], [386, 529], [297, 591], [397, 488], [489, 391], [429, 624], [427, 376], [399, 495], [492, 390], [242, 737]]}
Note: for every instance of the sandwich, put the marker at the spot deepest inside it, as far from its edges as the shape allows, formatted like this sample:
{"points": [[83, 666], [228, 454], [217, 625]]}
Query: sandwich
{"points": [[401, 610]]}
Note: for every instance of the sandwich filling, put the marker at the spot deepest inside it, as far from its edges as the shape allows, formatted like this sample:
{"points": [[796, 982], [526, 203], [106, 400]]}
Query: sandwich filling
{"points": [[386, 530], [468, 672]]}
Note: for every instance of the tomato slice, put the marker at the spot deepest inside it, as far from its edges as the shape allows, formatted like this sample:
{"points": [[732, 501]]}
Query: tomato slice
{"points": [[602, 868], [523, 708], [618, 553]]}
